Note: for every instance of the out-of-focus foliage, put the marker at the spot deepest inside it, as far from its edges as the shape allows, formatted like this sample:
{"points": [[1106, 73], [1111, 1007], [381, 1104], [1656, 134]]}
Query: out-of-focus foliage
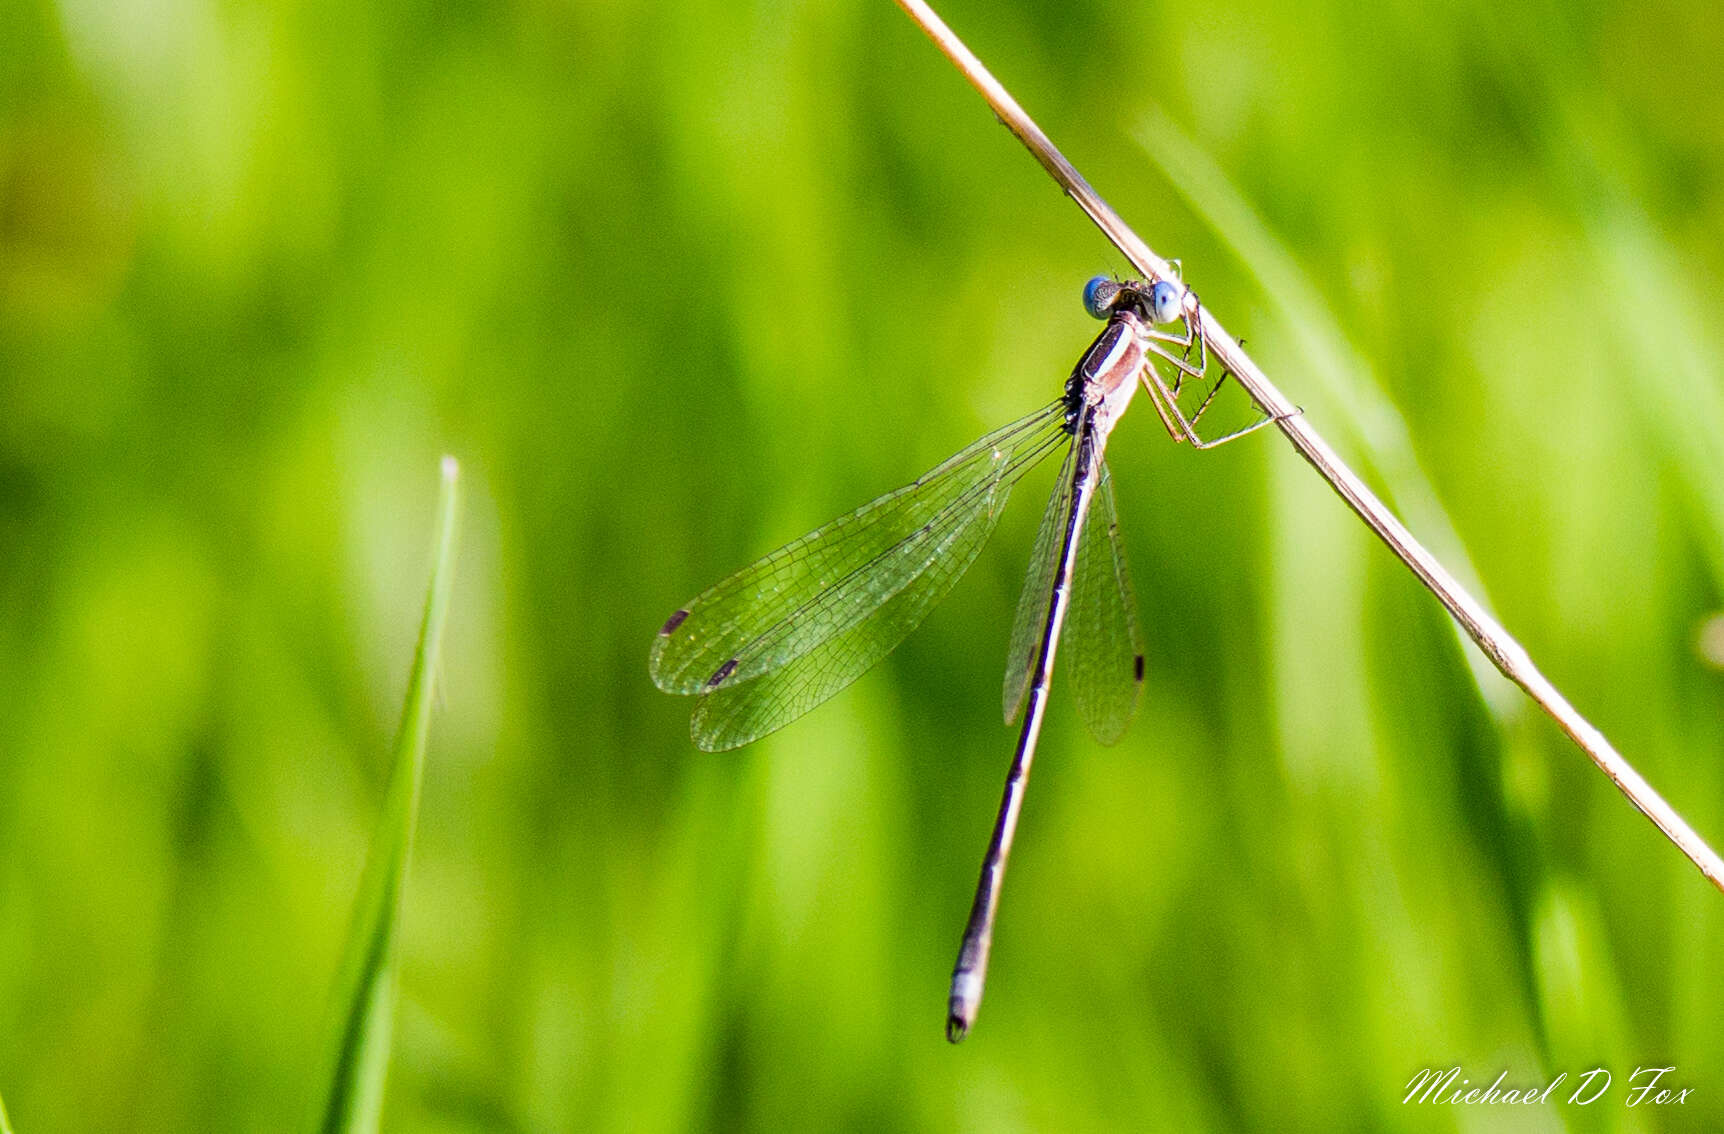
{"points": [[678, 281], [364, 1028]]}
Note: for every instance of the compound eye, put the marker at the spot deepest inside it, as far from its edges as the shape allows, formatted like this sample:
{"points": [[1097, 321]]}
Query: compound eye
{"points": [[1164, 302], [1098, 296]]}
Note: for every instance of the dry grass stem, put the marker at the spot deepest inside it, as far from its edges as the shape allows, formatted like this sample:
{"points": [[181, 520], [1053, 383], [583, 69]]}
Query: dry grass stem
{"points": [[1504, 652]]}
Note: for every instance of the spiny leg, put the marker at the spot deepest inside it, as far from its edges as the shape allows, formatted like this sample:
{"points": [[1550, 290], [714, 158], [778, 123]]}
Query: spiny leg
{"points": [[1175, 349], [1157, 398], [1238, 433], [1214, 390], [1184, 428], [1181, 362], [1203, 406]]}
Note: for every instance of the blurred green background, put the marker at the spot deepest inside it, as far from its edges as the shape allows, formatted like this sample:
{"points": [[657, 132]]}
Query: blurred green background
{"points": [[680, 280]]}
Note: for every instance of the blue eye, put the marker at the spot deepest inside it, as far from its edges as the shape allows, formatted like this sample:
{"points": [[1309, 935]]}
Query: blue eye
{"points": [[1164, 302], [1098, 296]]}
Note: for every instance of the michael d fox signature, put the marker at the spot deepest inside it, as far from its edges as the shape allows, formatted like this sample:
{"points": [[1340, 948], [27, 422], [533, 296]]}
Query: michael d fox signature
{"points": [[1647, 1086]]}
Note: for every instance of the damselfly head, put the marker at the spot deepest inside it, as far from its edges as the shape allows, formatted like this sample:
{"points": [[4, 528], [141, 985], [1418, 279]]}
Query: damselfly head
{"points": [[1165, 301], [1099, 295]]}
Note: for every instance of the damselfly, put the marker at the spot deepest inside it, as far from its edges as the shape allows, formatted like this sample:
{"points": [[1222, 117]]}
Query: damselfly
{"points": [[782, 635]]}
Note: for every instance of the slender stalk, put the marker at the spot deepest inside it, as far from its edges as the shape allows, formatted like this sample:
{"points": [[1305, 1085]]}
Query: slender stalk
{"points": [[1504, 652]]}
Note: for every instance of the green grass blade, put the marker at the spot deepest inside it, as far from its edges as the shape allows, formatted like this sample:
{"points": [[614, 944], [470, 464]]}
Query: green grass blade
{"points": [[5, 1123], [359, 1061]]}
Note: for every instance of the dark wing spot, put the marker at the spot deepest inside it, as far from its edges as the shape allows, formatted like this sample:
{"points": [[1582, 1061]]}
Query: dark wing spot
{"points": [[724, 671], [1137, 666], [672, 623]]}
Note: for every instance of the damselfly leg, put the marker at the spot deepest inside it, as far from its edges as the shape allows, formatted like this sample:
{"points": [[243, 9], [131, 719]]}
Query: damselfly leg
{"points": [[1165, 305]]}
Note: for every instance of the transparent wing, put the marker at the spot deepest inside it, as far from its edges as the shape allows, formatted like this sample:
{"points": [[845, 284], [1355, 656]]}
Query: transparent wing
{"points": [[818, 612], [1032, 616], [1102, 643], [734, 714]]}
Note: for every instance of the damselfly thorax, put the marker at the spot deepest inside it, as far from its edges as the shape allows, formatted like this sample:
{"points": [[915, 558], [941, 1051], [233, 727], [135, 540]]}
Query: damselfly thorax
{"points": [[1106, 376]]}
